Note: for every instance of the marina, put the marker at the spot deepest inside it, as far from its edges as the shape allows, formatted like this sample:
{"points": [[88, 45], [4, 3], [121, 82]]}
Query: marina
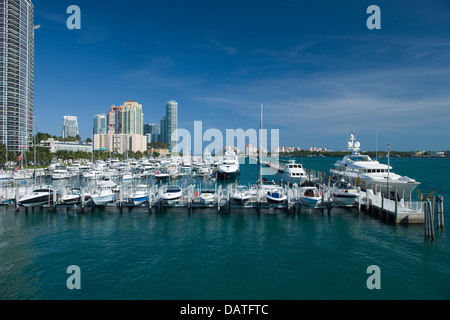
{"points": [[197, 186]]}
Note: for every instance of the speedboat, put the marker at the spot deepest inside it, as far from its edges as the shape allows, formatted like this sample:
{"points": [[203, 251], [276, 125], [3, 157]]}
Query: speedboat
{"points": [[104, 193], [74, 197], [229, 167], [276, 195], [344, 192], [172, 194], [141, 195], [310, 196], [207, 196], [38, 197], [356, 167], [241, 194]]}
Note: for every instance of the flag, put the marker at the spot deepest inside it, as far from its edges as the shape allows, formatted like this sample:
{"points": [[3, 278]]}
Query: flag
{"points": [[20, 157]]}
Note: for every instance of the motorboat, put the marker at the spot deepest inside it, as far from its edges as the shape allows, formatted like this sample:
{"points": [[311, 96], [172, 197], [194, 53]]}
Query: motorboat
{"points": [[39, 196], [172, 194], [276, 195], [105, 193], [344, 192], [60, 173], [241, 194], [92, 174], [207, 196], [162, 175], [361, 169], [292, 172], [127, 177], [229, 167], [74, 196], [140, 196], [310, 196]]}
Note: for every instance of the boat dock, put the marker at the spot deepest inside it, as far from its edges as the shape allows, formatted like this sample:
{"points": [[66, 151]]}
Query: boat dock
{"points": [[400, 211]]}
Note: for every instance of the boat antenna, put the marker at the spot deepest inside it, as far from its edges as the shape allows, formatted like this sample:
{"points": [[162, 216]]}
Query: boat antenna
{"points": [[376, 143]]}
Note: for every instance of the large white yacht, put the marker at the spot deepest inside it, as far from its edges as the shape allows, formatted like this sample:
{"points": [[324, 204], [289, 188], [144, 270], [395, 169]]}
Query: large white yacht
{"points": [[371, 172], [229, 167]]}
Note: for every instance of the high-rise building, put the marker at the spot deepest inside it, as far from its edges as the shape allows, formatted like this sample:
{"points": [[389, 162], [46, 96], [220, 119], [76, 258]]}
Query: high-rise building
{"points": [[171, 123], [16, 73], [115, 119], [69, 127], [163, 129], [100, 124], [152, 132], [132, 118]]}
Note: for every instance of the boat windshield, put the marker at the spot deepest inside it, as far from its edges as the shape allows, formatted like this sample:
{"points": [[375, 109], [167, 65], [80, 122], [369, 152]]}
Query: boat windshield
{"points": [[360, 158]]}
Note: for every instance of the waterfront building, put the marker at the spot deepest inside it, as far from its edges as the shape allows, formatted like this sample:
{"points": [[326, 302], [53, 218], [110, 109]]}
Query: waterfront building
{"points": [[100, 124], [152, 132], [120, 142], [74, 146], [114, 119], [69, 127], [163, 128], [16, 73], [171, 124], [132, 118]]}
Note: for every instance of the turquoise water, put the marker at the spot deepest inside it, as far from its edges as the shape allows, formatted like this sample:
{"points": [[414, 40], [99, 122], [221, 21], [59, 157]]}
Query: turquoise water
{"points": [[242, 255]]}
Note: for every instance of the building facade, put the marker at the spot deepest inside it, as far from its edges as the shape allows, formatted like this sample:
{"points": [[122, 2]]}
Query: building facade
{"points": [[152, 132], [114, 119], [70, 127], [132, 118], [171, 124], [55, 146], [16, 73], [100, 124], [120, 142]]}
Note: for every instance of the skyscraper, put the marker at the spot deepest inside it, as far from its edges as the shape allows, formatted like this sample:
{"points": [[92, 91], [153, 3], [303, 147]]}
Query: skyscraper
{"points": [[163, 128], [115, 119], [16, 73], [100, 124], [70, 127], [152, 132], [132, 118], [171, 123]]}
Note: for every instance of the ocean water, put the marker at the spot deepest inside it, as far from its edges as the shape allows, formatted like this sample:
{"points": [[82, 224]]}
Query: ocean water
{"points": [[241, 255]]}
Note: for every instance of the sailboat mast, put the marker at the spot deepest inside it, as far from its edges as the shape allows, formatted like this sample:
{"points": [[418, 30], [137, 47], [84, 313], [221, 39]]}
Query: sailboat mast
{"points": [[260, 148]]}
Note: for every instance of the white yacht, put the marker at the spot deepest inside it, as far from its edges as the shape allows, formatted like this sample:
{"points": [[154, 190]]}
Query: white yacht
{"points": [[370, 172], [292, 172], [60, 173], [229, 167]]}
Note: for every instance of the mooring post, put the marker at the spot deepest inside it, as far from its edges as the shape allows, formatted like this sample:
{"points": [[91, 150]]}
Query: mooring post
{"points": [[82, 199], [54, 200], [16, 199], [440, 211]]}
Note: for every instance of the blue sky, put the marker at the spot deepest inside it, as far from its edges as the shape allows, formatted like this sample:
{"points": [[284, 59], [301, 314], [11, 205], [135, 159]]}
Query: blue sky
{"points": [[316, 67]]}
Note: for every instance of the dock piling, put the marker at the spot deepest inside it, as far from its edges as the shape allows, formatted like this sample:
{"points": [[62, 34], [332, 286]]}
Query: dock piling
{"points": [[440, 211]]}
